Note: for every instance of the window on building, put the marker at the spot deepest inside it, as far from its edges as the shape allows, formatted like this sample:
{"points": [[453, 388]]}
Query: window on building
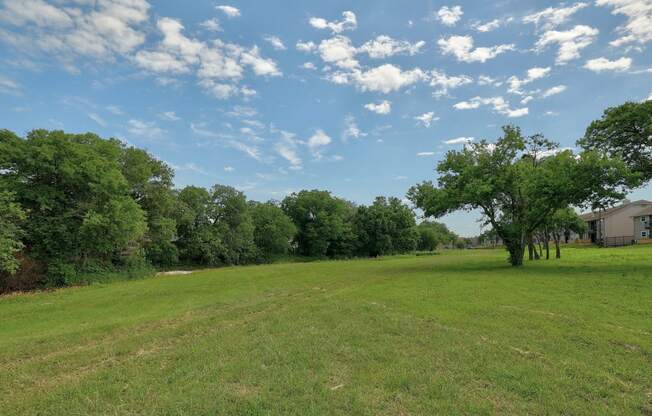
{"points": [[643, 219], [643, 234]]}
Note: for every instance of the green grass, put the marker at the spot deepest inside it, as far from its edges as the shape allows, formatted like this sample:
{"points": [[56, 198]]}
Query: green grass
{"points": [[457, 333]]}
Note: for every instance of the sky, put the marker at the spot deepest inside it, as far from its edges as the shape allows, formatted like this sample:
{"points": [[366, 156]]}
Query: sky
{"points": [[361, 98]]}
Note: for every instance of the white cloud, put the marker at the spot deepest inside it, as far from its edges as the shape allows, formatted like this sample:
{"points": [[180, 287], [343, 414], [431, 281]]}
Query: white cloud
{"points": [[552, 17], [146, 129], [487, 80], [276, 42], [351, 129], [260, 66], [424, 154], [449, 16], [229, 11], [604, 64], [533, 74], [384, 46], [499, 105], [96, 118], [308, 65], [159, 61], [9, 86], [553, 91], [491, 25], [339, 51], [443, 82], [306, 46], [383, 107], [649, 97], [460, 140], [229, 168], [570, 42], [638, 28], [349, 22], [287, 149], [462, 48], [317, 142], [169, 116], [218, 90], [386, 78], [114, 109], [212, 25], [100, 29], [426, 119]]}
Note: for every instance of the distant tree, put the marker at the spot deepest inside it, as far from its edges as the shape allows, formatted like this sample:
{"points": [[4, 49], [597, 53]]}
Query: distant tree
{"points": [[232, 220], [489, 237], [385, 227], [432, 234], [11, 218], [273, 229], [323, 223], [197, 240], [562, 223], [625, 132], [150, 184], [518, 183], [76, 199]]}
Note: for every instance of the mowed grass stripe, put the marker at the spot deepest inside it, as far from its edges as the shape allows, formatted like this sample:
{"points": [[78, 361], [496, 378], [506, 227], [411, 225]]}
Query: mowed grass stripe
{"points": [[460, 332]]}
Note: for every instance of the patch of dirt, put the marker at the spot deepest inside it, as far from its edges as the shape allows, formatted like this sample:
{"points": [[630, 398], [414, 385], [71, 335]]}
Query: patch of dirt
{"points": [[174, 272]]}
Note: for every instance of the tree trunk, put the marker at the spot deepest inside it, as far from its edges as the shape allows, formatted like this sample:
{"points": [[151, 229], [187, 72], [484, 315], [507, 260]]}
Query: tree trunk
{"points": [[557, 249], [516, 251], [547, 244], [530, 247]]}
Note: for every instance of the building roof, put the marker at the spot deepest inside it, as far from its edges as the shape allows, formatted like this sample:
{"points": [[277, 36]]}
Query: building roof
{"points": [[643, 212], [590, 216]]}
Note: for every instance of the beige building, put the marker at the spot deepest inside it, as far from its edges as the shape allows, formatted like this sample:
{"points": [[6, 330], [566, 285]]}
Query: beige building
{"points": [[643, 224], [617, 226]]}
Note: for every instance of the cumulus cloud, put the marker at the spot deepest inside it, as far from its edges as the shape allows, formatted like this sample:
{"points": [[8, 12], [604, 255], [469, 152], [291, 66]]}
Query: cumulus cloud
{"points": [[570, 42], [424, 154], [317, 142], [306, 46], [552, 17], [384, 46], [443, 82], [229, 11], [498, 104], [384, 78], [604, 64], [212, 25], [558, 89], [348, 22], [426, 119], [103, 29], [169, 116], [491, 25], [145, 129], [309, 65], [351, 129], [460, 140], [383, 107], [638, 28], [462, 48], [449, 16], [339, 51], [276, 42], [533, 74]]}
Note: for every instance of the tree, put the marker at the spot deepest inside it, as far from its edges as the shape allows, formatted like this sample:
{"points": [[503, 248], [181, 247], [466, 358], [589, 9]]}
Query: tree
{"points": [[625, 132], [11, 218], [432, 234], [198, 241], [323, 223], [385, 227], [232, 221], [562, 223], [273, 230], [74, 195], [150, 185], [517, 183]]}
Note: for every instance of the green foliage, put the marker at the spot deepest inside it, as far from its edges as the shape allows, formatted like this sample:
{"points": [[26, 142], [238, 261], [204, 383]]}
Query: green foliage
{"points": [[323, 223], [518, 183], [625, 132], [11, 219], [273, 230], [75, 197], [233, 223], [432, 234], [385, 227], [197, 239]]}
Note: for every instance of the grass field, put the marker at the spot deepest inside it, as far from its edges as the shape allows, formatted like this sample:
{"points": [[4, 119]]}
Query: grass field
{"points": [[457, 333]]}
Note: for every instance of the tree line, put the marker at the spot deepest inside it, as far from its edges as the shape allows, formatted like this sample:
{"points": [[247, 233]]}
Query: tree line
{"points": [[77, 205]]}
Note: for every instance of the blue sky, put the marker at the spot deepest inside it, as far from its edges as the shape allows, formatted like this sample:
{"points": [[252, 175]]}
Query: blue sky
{"points": [[360, 98]]}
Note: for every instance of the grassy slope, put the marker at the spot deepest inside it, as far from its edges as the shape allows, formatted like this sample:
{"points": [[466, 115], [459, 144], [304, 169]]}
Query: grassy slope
{"points": [[456, 333]]}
